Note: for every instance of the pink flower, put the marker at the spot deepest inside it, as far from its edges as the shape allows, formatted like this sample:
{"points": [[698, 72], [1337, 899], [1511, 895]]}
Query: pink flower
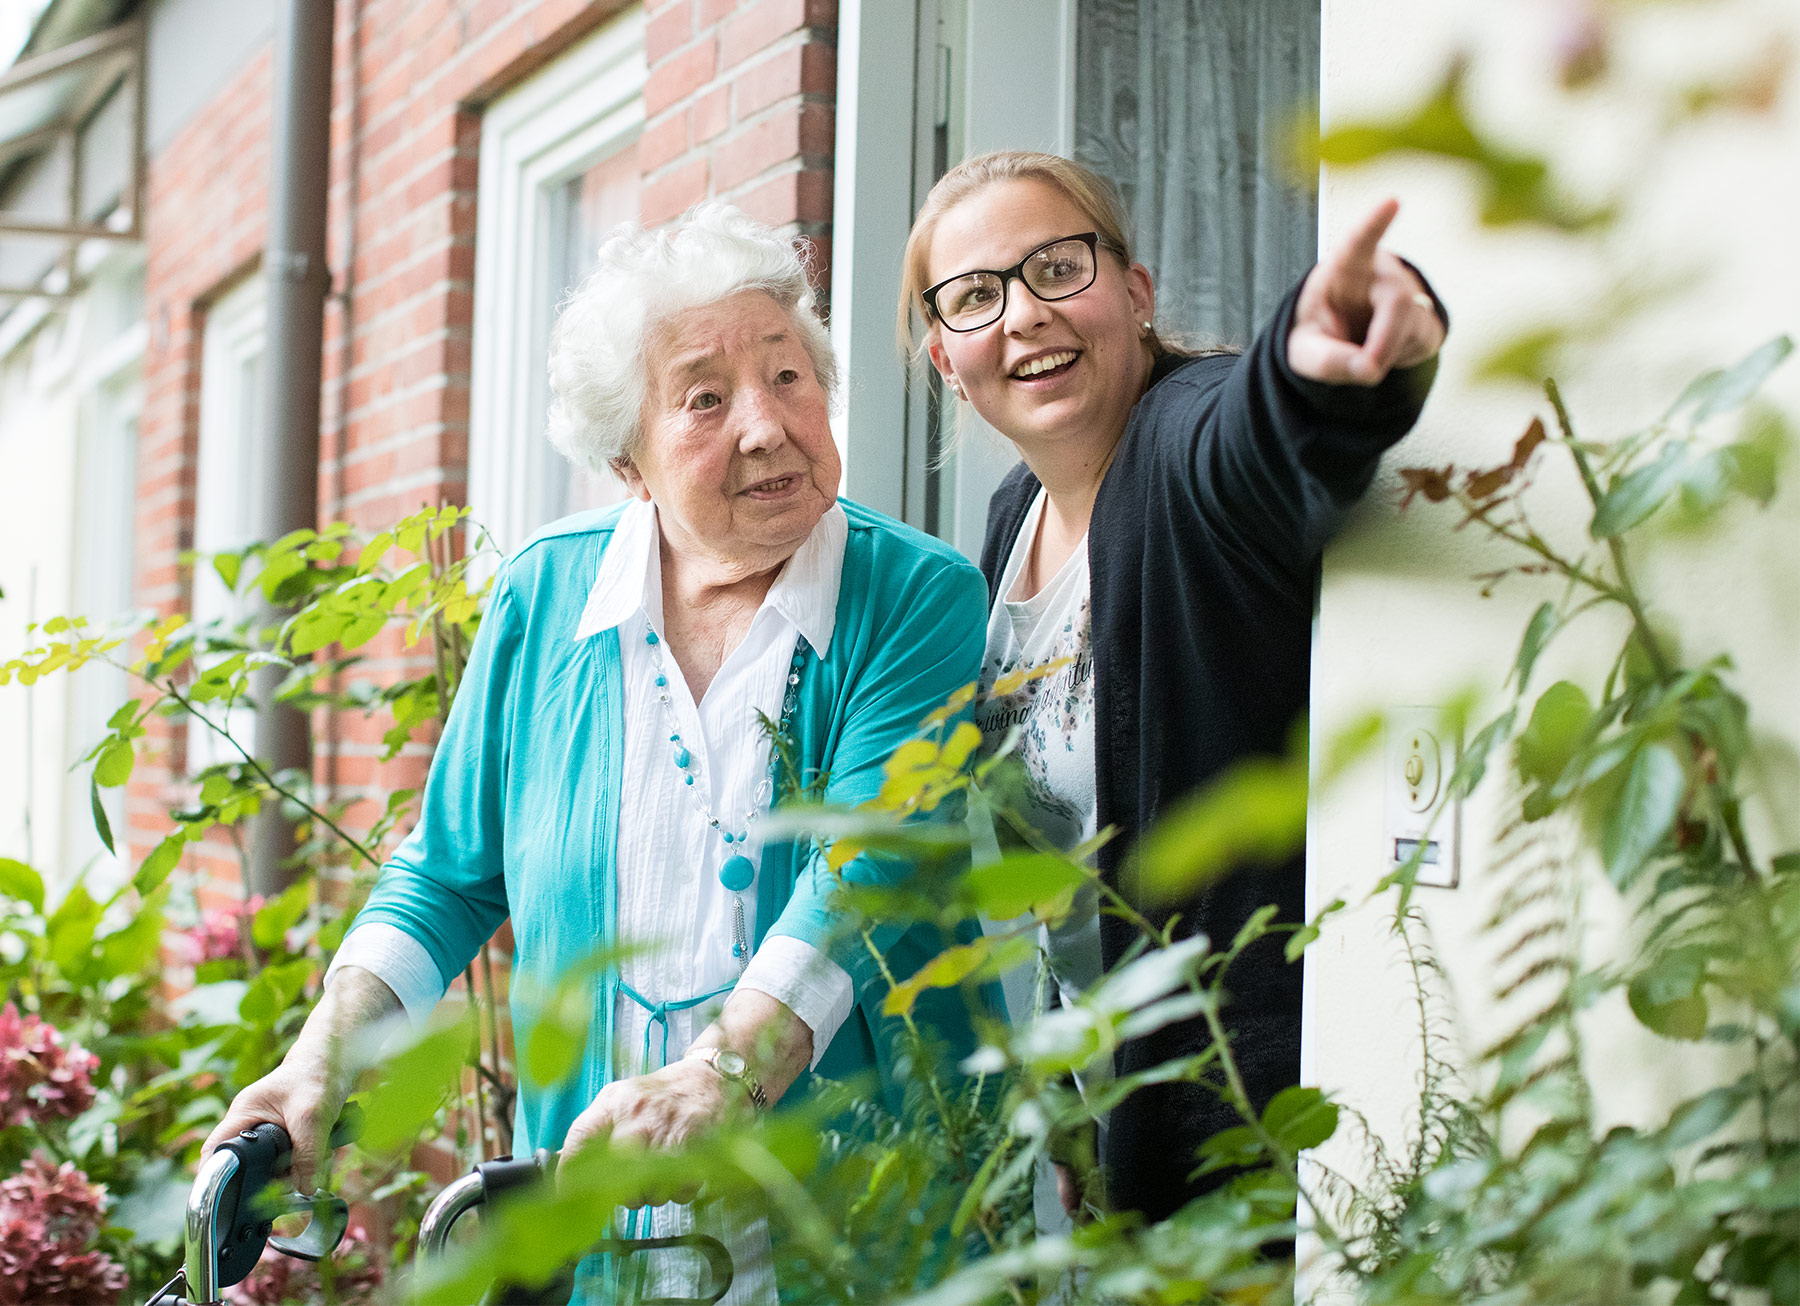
{"points": [[48, 1216], [278, 1280], [219, 936], [40, 1078]]}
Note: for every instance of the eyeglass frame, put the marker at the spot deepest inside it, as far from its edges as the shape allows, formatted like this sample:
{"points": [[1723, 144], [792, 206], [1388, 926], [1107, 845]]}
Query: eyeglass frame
{"points": [[1092, 239]]}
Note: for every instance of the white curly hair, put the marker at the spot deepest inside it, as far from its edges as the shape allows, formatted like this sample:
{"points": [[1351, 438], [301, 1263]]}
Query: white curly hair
{"points": [[598, 364]]}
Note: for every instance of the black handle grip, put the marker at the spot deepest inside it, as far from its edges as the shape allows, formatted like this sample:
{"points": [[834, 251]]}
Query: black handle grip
{"points": [[245, 1217], [506, 1173]]}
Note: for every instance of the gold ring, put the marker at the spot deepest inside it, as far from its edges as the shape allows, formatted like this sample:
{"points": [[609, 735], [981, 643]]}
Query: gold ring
{"points": [[1424, 301]]}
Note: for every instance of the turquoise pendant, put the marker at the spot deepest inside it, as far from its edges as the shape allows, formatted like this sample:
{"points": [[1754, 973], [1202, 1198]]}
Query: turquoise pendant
{"points": [[681, 757], [736, 873]]}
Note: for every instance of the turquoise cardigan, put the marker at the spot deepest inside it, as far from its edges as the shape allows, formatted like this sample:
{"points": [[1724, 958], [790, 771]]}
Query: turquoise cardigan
{"points": [[521, 811]]}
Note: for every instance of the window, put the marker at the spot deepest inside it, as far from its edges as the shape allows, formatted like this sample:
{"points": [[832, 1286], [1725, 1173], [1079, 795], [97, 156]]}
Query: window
{"points": [[558, 169], [229, 511], [1189, 109], [110, 389]]}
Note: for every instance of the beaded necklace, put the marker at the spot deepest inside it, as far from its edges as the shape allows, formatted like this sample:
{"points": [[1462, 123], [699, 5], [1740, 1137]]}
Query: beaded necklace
{"points": [[739, 872]]}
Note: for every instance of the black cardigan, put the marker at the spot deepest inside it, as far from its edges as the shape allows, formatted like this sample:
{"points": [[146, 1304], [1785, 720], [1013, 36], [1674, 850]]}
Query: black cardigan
{"points": [[1203, 551]]}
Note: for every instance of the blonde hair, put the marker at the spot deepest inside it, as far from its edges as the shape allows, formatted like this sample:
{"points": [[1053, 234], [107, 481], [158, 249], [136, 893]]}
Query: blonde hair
{"points": [[1086, 189]]}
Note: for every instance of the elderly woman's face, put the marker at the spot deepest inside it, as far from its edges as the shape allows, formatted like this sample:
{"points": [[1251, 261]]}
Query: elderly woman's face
{"points": [[736, 450]]}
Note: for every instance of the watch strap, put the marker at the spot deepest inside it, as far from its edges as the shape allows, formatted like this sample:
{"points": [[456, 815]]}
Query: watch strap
{"points": [[758, 1098]]}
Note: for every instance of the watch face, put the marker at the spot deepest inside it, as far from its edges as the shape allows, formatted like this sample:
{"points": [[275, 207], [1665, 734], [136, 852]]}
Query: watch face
{"points": [[729, 1062]]}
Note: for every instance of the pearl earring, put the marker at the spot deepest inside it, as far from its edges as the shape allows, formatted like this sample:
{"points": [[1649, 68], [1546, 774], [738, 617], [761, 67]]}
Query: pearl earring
{"points": [[1146, 329]]}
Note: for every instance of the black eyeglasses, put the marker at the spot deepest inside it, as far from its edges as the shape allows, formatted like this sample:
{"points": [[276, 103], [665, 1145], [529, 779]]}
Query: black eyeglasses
{"points": [[1055, 270]]}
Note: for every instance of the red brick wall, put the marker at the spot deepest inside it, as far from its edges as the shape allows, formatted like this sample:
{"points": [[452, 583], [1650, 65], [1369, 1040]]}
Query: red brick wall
{"points": [[739, 104]]}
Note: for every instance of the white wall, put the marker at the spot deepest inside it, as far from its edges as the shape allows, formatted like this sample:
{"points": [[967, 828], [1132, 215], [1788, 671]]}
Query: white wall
{"points": [[1400, 621]]}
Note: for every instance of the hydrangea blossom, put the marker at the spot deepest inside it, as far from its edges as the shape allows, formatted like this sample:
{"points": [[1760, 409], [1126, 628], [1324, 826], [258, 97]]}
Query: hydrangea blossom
{"points": [[279, 1280], [48, 1216], [41, 1078], [219, 935]]}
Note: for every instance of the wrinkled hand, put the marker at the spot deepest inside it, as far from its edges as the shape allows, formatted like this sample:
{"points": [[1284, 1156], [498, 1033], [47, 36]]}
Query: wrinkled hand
{"points": [[303, 1097], [663, 1109], [1362, 313], [306, 1093]]}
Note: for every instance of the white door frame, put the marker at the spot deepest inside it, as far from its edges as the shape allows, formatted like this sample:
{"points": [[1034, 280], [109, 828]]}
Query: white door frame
{"points": [[888, 140]]}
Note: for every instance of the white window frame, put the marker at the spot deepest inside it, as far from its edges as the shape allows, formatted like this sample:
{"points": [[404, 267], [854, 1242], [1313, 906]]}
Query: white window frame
{"points": [[586, 105], [883, 169], [109, 383], [229, 505]]}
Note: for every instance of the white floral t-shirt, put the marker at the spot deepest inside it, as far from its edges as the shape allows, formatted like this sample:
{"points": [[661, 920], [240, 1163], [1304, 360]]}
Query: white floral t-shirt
{"points": [[1055, 719]]}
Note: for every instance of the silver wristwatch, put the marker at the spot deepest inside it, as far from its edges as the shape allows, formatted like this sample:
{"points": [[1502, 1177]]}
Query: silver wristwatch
{"points": [[733, 1066]]}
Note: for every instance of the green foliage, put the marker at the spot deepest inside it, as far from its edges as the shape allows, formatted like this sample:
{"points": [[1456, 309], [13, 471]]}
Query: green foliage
{"points": [[94, 963], [1648, 779]]}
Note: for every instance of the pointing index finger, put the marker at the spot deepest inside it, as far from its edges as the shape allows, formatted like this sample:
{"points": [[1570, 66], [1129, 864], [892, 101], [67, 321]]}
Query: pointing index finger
{"points": [[1365, 238]]}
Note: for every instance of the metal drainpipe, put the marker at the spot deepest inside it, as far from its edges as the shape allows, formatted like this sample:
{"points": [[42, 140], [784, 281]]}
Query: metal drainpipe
{"points": [[298, 281]]}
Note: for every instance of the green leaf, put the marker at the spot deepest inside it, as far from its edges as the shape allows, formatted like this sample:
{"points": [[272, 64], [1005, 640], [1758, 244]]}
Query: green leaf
{"points": [[413, 1082], [1473, 764], [1301, 1117], [1236, 1148], [133, 950], [275, 990], [1721, 391], [1644, 813], [114, 767], [1303, 937], [551, 1052], [1700, 1118], [1558, 721], [274, 919], [279, 569], [1637, 494], [1538, 632], [19, 881], [1253, 813], [102, 826], [410, 534], [314, 629], [159, 863], [70, 930], [406, 583], [1667, 997], [228, 565], [1021, 882], [950, 967]]}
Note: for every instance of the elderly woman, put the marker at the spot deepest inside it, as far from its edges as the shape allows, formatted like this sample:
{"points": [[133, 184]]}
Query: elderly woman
{"points": [[1162, 534], [602, 774]]}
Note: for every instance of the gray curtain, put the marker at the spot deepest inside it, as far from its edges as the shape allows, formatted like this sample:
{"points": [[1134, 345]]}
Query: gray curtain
{"points": [[1189, 107]]}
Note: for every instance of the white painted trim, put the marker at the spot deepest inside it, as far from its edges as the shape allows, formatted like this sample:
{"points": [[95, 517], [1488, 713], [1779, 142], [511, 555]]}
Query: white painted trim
{"points": [[555, 126], [231, 464], [872, 208]]}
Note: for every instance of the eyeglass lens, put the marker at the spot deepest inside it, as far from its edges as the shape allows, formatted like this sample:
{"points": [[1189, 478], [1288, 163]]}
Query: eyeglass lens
{"points": [[1053, 272]]}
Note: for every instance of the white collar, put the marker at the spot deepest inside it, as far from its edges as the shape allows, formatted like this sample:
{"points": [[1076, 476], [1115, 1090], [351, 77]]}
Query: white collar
{"points": [[630, 579]]}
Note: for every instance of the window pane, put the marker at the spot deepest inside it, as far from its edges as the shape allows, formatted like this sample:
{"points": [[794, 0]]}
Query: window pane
{"points": [[591, 205], [1188, 107]]}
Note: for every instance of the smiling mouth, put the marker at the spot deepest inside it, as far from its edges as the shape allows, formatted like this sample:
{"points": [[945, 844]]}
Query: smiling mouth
{"points": [[1047, 365], [773, 488]]}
